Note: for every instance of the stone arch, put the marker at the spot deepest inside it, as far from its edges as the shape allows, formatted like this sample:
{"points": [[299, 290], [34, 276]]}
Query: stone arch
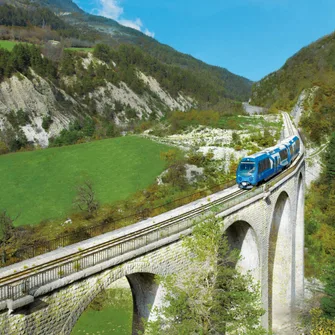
{"points": [[147, 294], [299, 242], [242, 236], [141, 278], [280, 264]]}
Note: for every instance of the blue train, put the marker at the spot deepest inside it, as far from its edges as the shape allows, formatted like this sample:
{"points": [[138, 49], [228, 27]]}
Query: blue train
{"points": [[259, 167]]}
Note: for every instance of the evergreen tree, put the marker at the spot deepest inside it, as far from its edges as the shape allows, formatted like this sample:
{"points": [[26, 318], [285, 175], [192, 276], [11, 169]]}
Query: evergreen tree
{"points": [[89, 127]]}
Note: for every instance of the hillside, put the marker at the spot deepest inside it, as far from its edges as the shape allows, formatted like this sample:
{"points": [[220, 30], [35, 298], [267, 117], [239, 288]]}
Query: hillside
{"points": [[81, 85], [122, 78], [308, 77], [108, 31], [312, 65]]}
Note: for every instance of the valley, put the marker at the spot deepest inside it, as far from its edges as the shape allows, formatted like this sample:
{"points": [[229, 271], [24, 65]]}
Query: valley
{"points": [[102, 127]]}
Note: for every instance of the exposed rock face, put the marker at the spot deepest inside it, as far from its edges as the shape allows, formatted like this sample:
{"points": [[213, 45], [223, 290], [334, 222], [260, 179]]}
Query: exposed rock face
{"points": [[313, 154], [182, 103], [144, 105], [298, 109], [39, 98]]}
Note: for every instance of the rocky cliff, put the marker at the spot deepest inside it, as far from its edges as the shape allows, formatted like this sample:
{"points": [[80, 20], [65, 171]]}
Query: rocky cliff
{"points": [[38, 98]]}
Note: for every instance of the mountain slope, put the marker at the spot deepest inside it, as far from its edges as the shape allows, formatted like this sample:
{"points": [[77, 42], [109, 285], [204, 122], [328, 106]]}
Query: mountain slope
{"points": [[307, 79], [313, 65], [59, 5], [81, 86], [110, 32], [44, 87]]}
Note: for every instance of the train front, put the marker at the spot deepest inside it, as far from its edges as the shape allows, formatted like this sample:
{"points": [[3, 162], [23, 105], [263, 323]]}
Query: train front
{"points": [[246, 176]]}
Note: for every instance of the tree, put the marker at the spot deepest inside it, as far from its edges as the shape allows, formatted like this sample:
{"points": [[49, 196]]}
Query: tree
{"points": [[88, 127], [176, 175], [46, 122], [321, 325], [3, 148], [86, 198], [169, 156], [328, 302], [6, 231], [211, 297]]}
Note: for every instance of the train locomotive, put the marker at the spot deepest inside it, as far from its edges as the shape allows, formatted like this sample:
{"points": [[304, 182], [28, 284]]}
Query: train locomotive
{"points": [[261, 166]]}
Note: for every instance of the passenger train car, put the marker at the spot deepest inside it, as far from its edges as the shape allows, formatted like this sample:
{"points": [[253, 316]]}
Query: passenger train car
{"points": [[259, 167]]}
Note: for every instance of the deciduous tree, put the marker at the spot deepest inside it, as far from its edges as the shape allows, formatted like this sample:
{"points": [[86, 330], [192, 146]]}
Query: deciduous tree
{"points": [[6, 231], [86, 198]]}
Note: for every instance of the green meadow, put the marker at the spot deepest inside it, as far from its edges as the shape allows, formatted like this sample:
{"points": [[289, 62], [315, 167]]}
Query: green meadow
{"points": [[246, 122], [8, 45], [42, 184], [80, 49], [110, 313]]}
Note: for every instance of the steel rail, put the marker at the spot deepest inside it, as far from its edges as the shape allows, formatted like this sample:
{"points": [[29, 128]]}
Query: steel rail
{"points": [[289, 124], [162, 224], [15, 280]]}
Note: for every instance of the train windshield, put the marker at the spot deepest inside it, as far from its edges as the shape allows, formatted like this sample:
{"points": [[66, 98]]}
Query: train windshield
{"points": [[247, 167]]}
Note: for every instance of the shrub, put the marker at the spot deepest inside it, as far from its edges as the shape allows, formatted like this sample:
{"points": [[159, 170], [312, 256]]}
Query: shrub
{"points": [[176, 175], [46, 122], [3, 148]]}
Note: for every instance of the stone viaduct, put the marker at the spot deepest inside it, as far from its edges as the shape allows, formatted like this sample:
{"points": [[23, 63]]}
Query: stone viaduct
{"points": [[266, 224]]}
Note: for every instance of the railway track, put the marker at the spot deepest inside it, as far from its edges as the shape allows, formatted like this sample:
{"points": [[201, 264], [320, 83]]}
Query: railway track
{"points": [[38, 275], [288, 124], [17, 278]]}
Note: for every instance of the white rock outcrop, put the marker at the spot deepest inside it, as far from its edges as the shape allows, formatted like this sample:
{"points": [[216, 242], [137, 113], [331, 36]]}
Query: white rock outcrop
{"points": [[39, 98]]}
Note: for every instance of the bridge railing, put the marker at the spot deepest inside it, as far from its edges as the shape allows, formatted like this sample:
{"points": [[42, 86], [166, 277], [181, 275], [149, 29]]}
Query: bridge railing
{"points": [[44, 246], [35, 278]]}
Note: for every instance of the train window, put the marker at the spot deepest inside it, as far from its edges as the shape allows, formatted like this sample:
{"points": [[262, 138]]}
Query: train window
{"points": [[263, 165], [291, 150], [247, 167], [298, 145], [283, 154]]}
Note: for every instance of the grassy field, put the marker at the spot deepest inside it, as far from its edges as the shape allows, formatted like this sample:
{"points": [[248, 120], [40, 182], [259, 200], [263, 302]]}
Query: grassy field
{"points": [[42, 184], [246, 122], [8, 45], [113, 315], [80, 49]]}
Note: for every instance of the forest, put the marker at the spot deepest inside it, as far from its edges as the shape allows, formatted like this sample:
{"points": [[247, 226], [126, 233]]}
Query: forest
{"points": [[36, 16]]}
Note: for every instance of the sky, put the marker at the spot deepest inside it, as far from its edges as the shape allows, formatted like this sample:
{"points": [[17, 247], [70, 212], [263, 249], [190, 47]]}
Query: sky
{"points": [[251, 38]]}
